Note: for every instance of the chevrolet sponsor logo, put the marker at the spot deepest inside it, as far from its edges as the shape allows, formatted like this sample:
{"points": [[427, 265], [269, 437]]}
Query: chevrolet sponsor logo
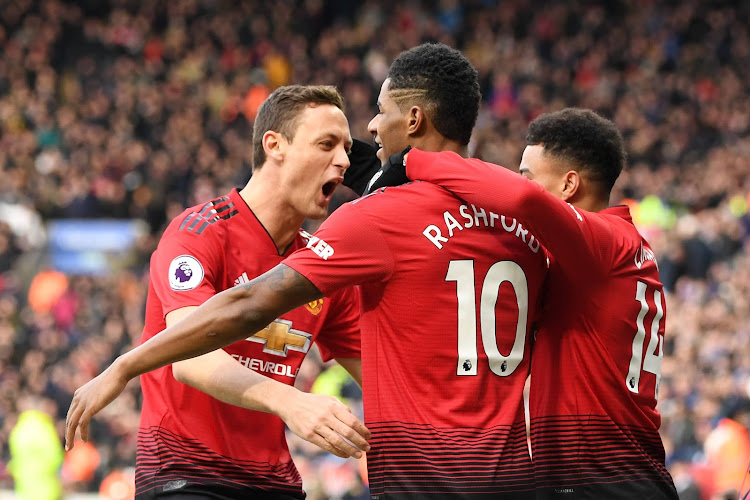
{"points": [[279, 337]]}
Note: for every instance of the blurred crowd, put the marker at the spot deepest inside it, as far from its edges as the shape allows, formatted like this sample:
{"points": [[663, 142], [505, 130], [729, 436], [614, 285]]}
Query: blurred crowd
{"points": [[129, 109]]}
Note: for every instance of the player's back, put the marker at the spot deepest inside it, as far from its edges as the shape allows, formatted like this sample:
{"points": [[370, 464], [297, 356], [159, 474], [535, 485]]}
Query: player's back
{"points": [[596, 370], [595, 364], [449, 293]]}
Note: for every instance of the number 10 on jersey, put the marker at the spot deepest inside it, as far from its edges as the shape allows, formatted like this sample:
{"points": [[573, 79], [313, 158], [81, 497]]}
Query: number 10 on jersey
{"points": [[462, 272]]}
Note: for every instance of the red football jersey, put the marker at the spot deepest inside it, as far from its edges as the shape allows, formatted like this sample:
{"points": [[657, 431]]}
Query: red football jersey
{"points": [[449, 292], [596, 360], [187, 435]]}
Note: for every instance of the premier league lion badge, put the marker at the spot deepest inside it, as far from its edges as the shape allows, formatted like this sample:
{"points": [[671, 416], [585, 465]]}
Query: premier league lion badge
{"points": [[185, 273]]}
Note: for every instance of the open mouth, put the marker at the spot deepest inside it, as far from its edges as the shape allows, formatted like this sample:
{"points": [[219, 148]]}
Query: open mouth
{"points": [[329, 187]]}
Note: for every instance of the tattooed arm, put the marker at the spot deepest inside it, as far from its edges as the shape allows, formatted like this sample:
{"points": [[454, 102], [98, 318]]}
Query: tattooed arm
{"points": [[225, 318], [222, 320]]}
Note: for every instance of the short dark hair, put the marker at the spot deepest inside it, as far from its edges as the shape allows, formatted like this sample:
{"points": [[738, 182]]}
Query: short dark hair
{"points": [[584, 139], [444, 82], [280, 112]]}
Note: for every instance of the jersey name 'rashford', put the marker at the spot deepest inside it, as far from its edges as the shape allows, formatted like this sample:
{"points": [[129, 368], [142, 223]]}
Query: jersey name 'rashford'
{"points": [[476, 217]]}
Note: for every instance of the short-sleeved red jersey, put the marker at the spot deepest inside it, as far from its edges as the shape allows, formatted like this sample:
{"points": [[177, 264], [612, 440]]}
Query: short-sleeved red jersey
{"points": [[187, 435], [596, 361], [449, 292]]}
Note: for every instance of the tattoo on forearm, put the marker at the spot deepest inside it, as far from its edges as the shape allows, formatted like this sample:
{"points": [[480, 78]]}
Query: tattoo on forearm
{"points": [[285, 280]]}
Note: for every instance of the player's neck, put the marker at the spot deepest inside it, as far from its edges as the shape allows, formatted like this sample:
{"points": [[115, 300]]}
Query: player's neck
{"points": [[587, 196], [281, 223], [591, 203], [434, 143]]}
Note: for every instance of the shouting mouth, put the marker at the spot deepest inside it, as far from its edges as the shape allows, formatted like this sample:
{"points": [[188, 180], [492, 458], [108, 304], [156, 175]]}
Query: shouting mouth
{"points": [[329, 187]]}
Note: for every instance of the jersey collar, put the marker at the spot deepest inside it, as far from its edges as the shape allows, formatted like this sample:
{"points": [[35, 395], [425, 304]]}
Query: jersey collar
{"points": [[263, 238], [621, 211]]}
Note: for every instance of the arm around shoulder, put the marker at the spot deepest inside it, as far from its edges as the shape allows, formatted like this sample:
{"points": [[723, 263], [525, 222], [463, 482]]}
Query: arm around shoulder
{"points": [[484, 184], [559, 226]]}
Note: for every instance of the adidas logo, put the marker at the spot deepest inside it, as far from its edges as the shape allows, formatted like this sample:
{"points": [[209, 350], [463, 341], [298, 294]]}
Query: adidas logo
{"points": [[242, 280]]}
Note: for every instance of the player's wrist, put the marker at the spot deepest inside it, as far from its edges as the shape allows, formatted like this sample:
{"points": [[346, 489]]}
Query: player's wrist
{"points": [[123, 368], [278, 400]]}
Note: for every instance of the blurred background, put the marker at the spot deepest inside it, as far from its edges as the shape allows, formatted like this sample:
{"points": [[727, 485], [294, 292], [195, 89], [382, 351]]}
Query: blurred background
{"points": [[115, 115]]}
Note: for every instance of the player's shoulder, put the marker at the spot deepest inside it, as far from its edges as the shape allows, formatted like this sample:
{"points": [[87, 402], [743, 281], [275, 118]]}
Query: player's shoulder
{"points": [[205, 224], [618, 214], [610, 222], [409, 194], [620, 222], [630, 246]]}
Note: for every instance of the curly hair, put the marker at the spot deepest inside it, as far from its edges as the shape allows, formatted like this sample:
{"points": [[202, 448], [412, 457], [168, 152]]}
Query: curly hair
{"points": [[584, 139], [444, 82], [280, 112]]}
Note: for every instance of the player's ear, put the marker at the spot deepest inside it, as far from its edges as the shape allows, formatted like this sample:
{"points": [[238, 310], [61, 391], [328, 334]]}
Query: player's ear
{"points": [[274, 145], [571, 184], [416, 121]]}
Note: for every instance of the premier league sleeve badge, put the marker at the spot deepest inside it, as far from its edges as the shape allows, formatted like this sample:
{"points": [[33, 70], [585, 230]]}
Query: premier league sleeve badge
{"points": [[185, 273]]}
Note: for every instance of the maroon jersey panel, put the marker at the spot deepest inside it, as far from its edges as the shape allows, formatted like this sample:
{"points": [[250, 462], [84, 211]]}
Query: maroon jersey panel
{"points": [[597, 357], [449, 293], [188, 435]]}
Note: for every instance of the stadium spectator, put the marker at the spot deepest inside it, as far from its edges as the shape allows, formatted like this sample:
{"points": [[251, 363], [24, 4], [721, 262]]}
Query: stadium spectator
{"points": [[36, 453]]}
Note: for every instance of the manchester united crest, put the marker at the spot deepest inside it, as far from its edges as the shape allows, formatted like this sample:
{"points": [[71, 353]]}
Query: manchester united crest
{"points": [[315, 306]]}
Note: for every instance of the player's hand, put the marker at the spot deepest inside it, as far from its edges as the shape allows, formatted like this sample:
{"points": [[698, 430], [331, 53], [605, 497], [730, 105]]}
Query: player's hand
{"points": [[392, 173], [89, 399], [326, 422], [363, 164]]}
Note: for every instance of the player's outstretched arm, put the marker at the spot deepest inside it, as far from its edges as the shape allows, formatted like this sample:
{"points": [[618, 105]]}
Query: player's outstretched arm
{"points": [[559, 226], [322, 420], [222, 320]]}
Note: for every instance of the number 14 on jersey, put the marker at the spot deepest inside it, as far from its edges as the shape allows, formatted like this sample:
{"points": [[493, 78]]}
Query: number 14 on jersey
{"points": [[651, 362]]}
